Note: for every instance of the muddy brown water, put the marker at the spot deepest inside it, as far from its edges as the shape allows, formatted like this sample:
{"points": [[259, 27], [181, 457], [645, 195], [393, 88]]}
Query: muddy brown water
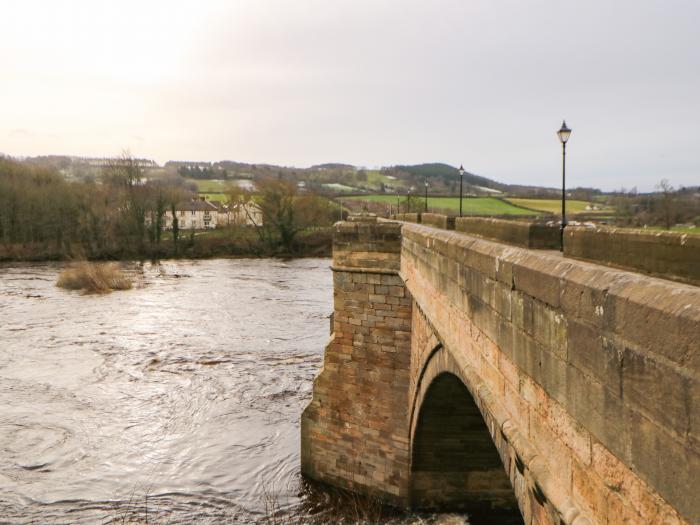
{"points": [[175, 402]]}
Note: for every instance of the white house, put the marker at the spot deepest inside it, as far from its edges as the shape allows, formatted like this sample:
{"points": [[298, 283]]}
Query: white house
{"points": [[202, 214], [195, 214], [246, 214]]}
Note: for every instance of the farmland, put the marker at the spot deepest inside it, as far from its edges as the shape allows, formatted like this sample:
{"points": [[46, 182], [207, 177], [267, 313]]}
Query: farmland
{"points": [[471, 205], [554, 205]]}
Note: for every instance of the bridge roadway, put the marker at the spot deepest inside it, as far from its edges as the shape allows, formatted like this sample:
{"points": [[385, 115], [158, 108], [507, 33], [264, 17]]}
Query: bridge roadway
{"points": [[465, 373]]}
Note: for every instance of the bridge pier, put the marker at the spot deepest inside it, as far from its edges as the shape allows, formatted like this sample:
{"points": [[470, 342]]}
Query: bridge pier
{"points": [[354, 431]]}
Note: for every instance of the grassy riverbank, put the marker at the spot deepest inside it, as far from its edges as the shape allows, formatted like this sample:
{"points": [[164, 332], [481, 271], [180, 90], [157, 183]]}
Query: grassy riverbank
{"points": [[229, 242]]}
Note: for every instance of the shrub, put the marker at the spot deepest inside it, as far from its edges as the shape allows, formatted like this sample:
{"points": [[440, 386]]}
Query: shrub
{"points": [[94, 278]]}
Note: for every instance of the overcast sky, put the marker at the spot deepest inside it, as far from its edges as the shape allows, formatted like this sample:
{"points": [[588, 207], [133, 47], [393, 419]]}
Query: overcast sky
{"points": [[368, 82]]}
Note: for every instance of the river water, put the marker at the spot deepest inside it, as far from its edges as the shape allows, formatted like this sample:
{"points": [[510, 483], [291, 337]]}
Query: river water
{"points": [[175, 402]]}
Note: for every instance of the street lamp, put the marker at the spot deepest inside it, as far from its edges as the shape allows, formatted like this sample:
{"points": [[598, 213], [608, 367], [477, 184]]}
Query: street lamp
{"points": [[408, 199], [461, 176], [398, 203], [426, 195], [564, 134]]}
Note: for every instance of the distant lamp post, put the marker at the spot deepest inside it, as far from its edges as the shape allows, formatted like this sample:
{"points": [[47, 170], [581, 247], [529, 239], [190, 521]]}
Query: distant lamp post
{"points": [[408, 199], [461, 176], [398, 202], [564, 133], [426, 195]]}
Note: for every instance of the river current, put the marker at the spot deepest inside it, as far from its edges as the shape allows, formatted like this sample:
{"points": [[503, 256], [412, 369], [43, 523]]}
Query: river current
{"points": [[182, 394], [177, 401]]}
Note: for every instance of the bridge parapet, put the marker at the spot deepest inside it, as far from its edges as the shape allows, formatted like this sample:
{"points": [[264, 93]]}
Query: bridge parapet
{"points": [[585, 380], [597, 369], [667, 254], [526, 234]]}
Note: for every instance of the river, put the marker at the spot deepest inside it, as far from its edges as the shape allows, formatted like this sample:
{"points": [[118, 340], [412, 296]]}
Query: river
{"points": [[177, 401]]}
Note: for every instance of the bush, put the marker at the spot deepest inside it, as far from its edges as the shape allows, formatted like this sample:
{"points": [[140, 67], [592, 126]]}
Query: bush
{"points": [[94, 278]]}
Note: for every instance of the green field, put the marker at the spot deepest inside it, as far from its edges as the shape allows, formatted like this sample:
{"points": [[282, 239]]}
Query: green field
{"points": [[376, 177], [554, 205], [215, 196], [209, 186], [471, 205]]}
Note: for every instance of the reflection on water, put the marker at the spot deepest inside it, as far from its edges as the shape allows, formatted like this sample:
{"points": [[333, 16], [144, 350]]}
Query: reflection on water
{"points": [[177, 401]]}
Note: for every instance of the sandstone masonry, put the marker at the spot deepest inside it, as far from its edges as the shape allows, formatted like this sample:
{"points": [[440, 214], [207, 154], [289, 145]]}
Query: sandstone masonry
{"points": [[586, 379]]}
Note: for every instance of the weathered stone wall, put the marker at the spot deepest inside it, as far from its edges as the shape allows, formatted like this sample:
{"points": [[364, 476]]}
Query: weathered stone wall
{"points": [[669, 254], [408, 217], [588, 377], [354, 430], [519, 233], [438, 220]]}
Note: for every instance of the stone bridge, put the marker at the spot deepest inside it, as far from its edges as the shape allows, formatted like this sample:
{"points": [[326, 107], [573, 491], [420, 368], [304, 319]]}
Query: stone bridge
{"points": [[471, 374]]}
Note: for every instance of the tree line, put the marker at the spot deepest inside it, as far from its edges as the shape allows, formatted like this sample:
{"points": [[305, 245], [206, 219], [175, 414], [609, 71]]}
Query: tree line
{"points": [[665, 208], [41, 212], [121, 215]]}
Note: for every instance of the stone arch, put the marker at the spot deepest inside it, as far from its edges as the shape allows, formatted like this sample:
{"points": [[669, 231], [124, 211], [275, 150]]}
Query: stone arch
{"points": [[454, 460]]}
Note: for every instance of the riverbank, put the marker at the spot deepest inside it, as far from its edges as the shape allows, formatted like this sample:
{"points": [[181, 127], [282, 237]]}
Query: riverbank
{"points": [[230, 242]]}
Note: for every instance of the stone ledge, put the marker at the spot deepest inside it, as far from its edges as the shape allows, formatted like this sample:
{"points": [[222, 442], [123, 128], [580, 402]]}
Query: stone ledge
{"points": [[438, 221], [356, 269], [667, 254], [518, 233]]}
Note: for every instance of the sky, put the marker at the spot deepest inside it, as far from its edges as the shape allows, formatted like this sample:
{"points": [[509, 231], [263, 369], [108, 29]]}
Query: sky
{"points": [[485, 83]]}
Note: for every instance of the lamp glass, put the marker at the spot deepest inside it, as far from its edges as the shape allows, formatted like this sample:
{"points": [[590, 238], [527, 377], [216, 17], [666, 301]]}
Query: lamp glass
{"points": [[461, 170], [564, 133]]}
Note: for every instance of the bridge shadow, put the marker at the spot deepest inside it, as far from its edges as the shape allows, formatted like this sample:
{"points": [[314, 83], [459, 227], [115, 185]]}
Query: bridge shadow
{"points": [[455, 464]]}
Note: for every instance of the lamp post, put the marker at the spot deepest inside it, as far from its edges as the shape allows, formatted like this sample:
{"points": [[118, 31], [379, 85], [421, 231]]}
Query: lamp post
{"points": [[461, 176], [408, 199], [426, 195], [398, 203], [564, 133]]}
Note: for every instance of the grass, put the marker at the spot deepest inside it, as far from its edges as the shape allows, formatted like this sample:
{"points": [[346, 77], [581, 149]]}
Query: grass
{"points": [[222, 197], [209, 185], [554, 205], [94, 278], [471, 205], [376, 177]]}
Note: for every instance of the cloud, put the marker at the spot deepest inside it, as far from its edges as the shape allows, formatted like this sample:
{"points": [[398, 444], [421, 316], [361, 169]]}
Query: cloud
{"points": [[376, 82]]}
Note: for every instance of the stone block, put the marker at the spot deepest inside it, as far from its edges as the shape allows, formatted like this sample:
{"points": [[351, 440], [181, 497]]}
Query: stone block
{"points": [[526, 355], [553, 375], [569, 431], [658, 390], [620, 512], [534, 277], [548, 327], [668, 465], [599, 411], [658, 317], [590, 492], [590, 350], [557, 456]]}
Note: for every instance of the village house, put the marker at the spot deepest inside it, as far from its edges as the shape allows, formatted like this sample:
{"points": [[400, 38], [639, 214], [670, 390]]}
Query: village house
{"points": [[245, 214], [195, 214], [203, 214]]}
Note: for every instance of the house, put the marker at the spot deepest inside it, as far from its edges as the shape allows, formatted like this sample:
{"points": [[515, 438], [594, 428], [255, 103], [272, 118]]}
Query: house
{"points": [[243, 213], [203, 214], [246, 213], [195, 214]]}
